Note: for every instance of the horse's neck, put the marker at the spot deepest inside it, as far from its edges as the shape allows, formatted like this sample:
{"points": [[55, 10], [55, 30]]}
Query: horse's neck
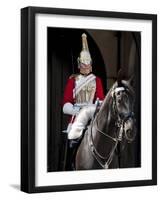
{"points": [[99, 133], [105, 122], [104, 119], [105, 115]]}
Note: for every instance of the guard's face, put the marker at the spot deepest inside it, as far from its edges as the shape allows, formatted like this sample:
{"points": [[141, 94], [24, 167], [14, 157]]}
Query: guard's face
{"points": [[85, 68]]}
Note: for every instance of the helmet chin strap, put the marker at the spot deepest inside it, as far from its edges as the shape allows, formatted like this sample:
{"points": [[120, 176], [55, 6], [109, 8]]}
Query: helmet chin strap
{"points": [[84, 74]]}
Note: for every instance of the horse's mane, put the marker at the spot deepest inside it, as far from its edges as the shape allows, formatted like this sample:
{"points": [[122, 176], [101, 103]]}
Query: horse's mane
{"points": [[106, 105]]}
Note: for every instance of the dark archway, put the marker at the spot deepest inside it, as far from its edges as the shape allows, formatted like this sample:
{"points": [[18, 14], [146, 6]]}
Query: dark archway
{"points": [[64, 46]]}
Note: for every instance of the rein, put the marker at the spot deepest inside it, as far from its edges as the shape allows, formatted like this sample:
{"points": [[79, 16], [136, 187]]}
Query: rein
{"points": [[104, 162]]}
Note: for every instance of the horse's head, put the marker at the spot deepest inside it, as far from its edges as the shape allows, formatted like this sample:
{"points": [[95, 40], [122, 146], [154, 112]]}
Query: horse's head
{"points": [[123, 98], [118, 107], [123, 107]]}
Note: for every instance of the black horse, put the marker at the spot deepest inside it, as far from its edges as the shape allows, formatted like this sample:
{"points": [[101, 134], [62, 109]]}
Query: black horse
{"points": [[110, 131]]}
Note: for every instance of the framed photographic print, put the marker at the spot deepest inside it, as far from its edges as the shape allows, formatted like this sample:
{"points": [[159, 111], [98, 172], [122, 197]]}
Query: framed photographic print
{"points": [[88, 99]]}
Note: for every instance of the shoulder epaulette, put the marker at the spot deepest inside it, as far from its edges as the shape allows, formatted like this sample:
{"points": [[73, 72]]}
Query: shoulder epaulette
{"points": [[73, 76]]}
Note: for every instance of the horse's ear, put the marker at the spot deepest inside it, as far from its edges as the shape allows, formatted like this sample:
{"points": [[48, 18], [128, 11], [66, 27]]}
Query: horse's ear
{"points": [[131, 81], [121, 76]]}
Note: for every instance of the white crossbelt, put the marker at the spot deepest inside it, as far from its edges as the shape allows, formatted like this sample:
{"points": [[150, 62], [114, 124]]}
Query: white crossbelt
{"points": [[82, 82]]}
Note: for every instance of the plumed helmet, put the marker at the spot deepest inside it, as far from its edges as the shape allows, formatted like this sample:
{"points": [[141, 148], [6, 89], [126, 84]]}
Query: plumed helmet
{"points": [[85, 56]]}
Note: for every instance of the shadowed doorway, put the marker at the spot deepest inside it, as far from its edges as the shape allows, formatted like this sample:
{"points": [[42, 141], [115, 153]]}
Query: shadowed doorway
{"points": [[109, 51]]}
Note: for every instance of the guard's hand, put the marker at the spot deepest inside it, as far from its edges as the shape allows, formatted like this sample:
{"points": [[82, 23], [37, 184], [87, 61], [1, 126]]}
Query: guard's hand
{"points": [[70, 109]]}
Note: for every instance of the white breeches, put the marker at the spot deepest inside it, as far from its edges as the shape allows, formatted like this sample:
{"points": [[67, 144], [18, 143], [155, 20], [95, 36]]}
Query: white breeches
{"points": [[85, 114]]}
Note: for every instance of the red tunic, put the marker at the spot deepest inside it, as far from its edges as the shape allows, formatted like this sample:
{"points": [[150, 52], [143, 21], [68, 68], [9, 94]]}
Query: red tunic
{"points": [[68, 92]]}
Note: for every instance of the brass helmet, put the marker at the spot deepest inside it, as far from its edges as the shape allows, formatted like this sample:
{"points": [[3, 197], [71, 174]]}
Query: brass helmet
{"points": [[85, 56]]}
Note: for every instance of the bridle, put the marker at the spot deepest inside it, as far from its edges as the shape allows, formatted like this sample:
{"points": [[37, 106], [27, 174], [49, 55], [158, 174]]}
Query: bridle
{"points": [[103, 161]]}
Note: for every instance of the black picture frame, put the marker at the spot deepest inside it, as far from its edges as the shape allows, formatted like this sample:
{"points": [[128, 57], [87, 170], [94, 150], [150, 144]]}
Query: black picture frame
{"points": [[28, 98]]}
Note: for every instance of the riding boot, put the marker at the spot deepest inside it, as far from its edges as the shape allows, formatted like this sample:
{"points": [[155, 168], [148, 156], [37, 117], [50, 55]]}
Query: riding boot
{"points": [[73, 146]]}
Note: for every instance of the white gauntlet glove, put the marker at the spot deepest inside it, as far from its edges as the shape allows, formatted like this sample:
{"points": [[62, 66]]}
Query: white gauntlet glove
{"points": [[69, 109]]}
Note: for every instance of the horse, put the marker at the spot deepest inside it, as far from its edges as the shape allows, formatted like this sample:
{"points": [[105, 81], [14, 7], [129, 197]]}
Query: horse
{"points": [[110, 130]]}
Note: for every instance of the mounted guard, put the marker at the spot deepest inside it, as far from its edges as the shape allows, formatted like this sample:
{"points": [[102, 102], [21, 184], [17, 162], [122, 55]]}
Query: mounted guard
{"points": [[83, 92]]}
